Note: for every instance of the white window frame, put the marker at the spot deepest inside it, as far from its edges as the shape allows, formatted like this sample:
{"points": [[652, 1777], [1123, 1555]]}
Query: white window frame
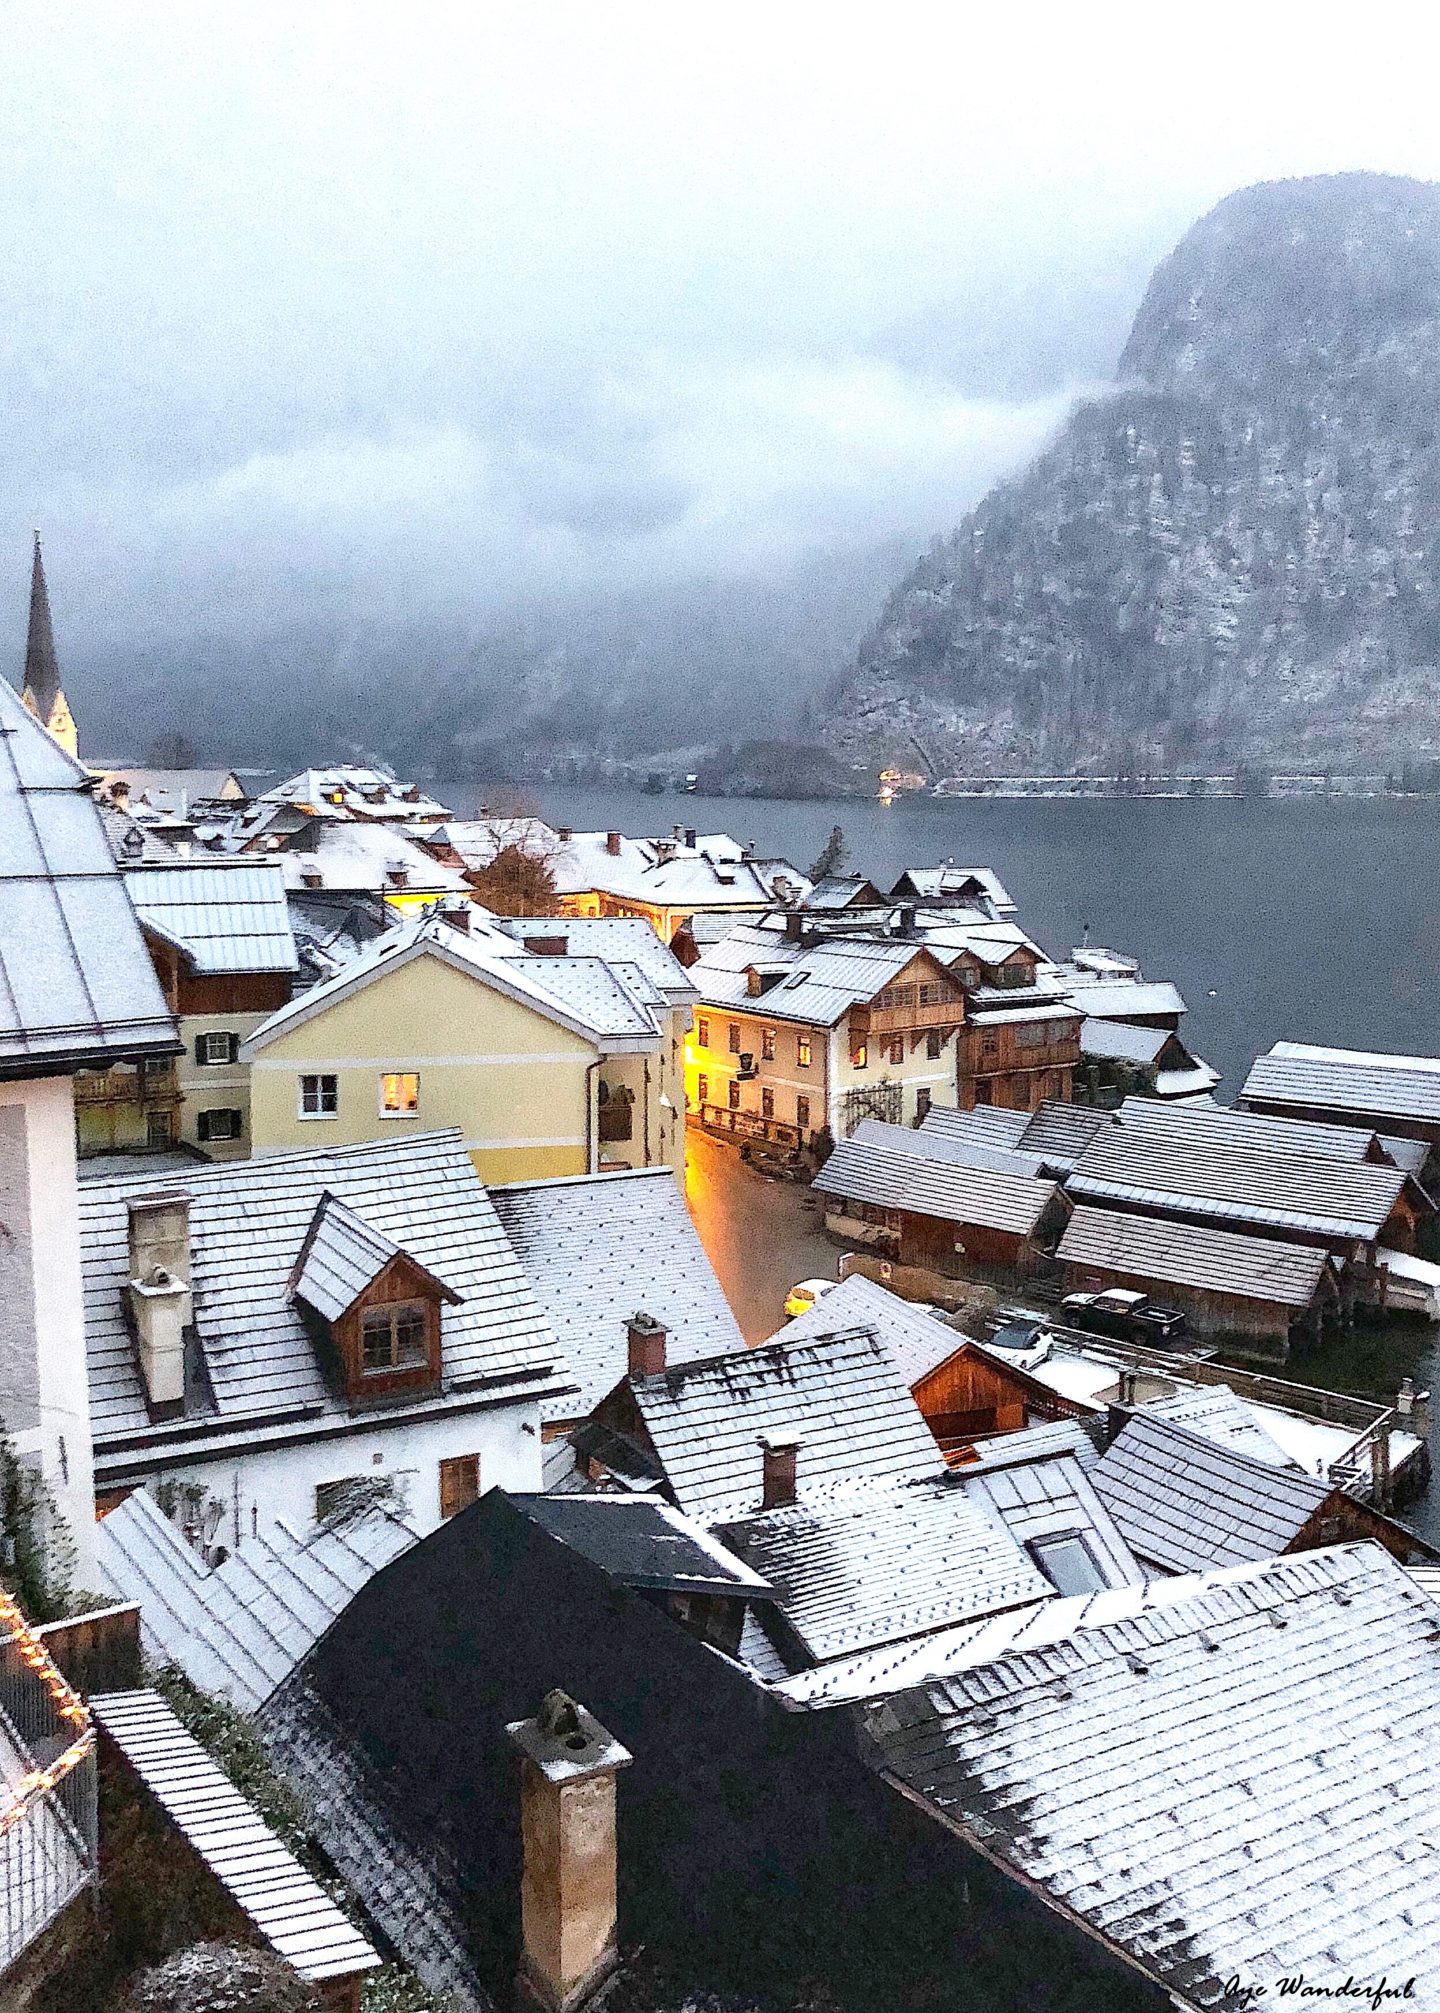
{"points": [[398, 1076], [319, 1077], [229, 1044]]}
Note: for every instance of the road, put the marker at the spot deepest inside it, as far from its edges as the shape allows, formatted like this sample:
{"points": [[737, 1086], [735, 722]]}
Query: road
{"points": [[761, 1236]]}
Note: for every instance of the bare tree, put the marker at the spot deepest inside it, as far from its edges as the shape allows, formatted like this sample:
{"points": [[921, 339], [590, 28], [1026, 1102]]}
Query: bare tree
{"points": [[518, 879]]}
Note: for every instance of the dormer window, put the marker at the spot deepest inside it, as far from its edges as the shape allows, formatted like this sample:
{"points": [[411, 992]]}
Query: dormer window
{"points": [[394, 1337], [378, 1308]]}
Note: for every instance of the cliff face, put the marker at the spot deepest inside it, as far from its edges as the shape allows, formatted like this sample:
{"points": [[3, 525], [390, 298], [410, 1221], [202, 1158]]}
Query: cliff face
{"points": [[1235, 556]]}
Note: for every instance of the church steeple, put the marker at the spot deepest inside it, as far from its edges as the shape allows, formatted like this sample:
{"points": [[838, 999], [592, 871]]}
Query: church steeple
{"points": [[42, 693]]}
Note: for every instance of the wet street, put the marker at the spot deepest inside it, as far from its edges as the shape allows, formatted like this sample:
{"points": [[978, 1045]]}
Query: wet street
{"points": [[761, 1236]]}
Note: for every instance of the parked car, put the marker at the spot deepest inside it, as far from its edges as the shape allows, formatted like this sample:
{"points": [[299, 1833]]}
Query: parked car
{"points": [[800, 1299], [1127, 1316]]}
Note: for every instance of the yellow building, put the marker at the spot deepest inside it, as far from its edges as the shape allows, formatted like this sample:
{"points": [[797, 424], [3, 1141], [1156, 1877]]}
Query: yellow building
{"points": [[549, 1064]]}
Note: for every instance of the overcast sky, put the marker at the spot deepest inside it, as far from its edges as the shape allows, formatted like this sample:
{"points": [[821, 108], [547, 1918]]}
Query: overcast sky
{"points": [[392, 308]]}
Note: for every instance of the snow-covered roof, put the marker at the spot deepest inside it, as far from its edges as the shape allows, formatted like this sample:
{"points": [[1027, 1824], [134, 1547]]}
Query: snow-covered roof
{"points": [[913, 1336], [715, 872], [1194, 1255], [373, 858], [627, 938], [917, 1174], [361, 793], [225, 919], [1294, 1073], [814, 984]]}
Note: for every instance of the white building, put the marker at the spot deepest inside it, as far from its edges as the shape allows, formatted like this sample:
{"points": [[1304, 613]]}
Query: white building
{"points": [[261, 1333], [77, 992]]}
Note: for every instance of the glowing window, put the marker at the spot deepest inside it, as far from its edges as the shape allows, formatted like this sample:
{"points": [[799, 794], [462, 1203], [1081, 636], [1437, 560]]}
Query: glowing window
{"points": [[399, 1094]]}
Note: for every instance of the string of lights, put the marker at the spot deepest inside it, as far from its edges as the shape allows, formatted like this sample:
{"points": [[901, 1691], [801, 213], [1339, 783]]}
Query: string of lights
{"points": [[26, 1644]]}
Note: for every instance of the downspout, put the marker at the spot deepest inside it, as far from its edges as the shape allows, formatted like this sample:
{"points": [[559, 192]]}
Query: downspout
{"points": [[647, 1111], [590, 1069]]}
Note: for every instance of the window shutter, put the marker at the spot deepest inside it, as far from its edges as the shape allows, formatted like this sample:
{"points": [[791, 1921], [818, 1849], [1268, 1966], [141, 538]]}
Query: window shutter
{"points": [[202, 1125], [200, 1050], [232, 1048]]}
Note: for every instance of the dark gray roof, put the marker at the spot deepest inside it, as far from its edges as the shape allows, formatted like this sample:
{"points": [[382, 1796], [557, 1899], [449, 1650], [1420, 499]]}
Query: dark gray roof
{"points": [[640, 1541], [863, 1171], [1194, 1255], [987, 1124], [240, 1629], [953, 1148], [1059, 1133], [915, 1337], [1195, 1178], [598, 1248], [248, 1222], [1186, 1503], [1220, 1126], [841, 1393], [1236, 1779], [1341, 1079], [1038, 1482], [874, 1562], [289, 1909], [77, 988]]}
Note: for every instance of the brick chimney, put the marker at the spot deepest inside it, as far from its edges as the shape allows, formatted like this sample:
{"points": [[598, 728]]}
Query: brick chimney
{"points": [[612, 842], [160, 1301], [567, 1825], [780, 1453], [551, 946], [647, 1338]]}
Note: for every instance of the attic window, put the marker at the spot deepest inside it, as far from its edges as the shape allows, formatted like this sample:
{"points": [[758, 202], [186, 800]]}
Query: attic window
{"points": [[798, 980], [1067, 1563], [395, 1337]]}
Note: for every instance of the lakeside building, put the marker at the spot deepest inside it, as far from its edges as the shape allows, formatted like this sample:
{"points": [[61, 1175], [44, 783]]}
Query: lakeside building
{"points": [[263, 1334], [548, 1064], [370, 795], [80, 1007], [1397, 1095]]}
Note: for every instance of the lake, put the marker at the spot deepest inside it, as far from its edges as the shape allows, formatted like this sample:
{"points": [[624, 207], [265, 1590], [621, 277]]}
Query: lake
{"points": [[1307, 920]]}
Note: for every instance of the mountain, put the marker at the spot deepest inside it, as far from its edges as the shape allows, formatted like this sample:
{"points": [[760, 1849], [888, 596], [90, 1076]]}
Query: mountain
{"points": [[1229, 558]]}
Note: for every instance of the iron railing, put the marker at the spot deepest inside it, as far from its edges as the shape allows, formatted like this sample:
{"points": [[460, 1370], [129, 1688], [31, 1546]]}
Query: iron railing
{"points": [[48, 1847]]}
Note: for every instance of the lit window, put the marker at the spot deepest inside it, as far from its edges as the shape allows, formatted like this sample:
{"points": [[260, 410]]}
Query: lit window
{"points": [[393, 1338], [767, 1044], [399, 1094], [702, 1031], [859, 1055], [802, 1051], [319, 1096]]}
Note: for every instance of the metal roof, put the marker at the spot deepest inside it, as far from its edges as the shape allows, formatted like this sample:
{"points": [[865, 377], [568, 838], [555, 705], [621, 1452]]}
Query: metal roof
{"points": [[915, 1337], [840, 1392], [248, 1222], [1119, 1000], [823, 981], [77, 988], [640, 1541], [1118, 1042], [241, 1628], [598, 1248], [1214, 1411], [875, 1562], [1186, 1503], [1188, 1177], [1059, 1133], [952, 1193], [288, 1907], [230, 918], [1343, 1079], [1224, 1127], [1193, 1255], [1234, 1779]]}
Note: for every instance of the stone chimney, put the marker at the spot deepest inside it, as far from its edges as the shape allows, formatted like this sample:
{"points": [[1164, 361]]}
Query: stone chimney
{"points": [[647, 1338], [457, 915], [564, 834], [567, 1825], [780, 1453], [612, 842], [160, 1301]]}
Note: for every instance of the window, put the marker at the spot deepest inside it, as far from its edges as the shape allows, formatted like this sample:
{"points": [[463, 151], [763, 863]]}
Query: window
{"points": [[702, 1090], [859, 1055], [767, 1102], [702, 1031], [897, 1050], [159, 1128], [394, 1338], [733, 1037], [734, 1097], [802, 1113], [1067, 1563], [156, 1065], [217, 1048], [219, 1125], [459, 1483], [1032, 1034], [969, 978], [802, 1051], [399, 1093], [984, 1090], [767, 1044], [319, 1096], [934, 1042], [922, 1102]]}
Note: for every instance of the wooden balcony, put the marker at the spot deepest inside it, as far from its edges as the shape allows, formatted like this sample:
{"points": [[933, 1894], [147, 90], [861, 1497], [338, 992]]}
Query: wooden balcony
{"points": [[871, 1022], [157, 1090]]}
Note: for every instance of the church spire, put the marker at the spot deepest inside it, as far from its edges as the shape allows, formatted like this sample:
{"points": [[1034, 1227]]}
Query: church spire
{"points": [[42, 693]]}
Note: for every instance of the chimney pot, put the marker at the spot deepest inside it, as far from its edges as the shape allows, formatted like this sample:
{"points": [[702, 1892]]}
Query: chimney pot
{"points": [[690, 837], [647, 1338], [567, 1821], [564, 834], [612, 842], [780, 1453]]}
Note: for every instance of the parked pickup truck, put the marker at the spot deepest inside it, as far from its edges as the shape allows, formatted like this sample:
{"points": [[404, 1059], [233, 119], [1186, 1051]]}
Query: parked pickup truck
{"points": [[1129, 1317]]}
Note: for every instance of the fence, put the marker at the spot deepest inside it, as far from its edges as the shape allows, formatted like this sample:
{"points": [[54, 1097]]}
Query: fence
{"points": [[47, 1788]]}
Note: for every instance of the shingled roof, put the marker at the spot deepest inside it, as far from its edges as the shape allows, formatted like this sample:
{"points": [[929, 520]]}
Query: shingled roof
{"points": [[913, 1335], [1194, 1255], [904, 1177], [840, 1392], [1300, 1075], [1239, 1781]]}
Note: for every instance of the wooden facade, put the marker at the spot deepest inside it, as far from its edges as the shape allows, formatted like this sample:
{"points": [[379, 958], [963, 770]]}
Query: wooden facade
{"points": [[952, 1250], [401, 1284], [1273, 1323], [971, 1395], [1017, 1064]]}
